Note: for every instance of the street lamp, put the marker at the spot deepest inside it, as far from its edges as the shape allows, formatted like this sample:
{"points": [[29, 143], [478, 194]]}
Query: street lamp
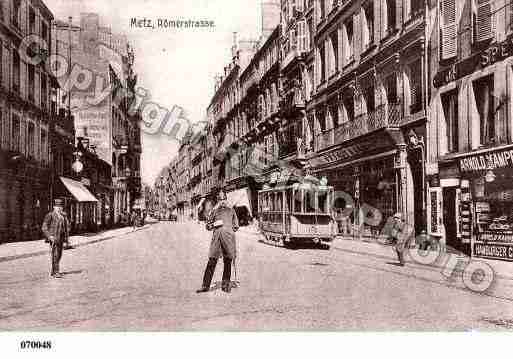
{"points": [[77, 165], [417, 142]]}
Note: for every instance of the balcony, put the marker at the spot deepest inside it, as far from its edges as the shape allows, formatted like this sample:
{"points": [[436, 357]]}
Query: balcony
{"points": [[287, 149], [383, 116], [292, 99], [291, 53]]}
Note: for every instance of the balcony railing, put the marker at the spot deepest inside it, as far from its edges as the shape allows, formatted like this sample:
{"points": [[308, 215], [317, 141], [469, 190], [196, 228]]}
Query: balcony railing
{"points": [[288, 148], [292, 99], [383, 116]]}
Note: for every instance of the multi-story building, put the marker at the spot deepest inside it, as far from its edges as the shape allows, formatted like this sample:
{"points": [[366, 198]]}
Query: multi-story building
{"points": [[111, 124], [25, 121], [369, 97], [470, 157], [297, 72]]}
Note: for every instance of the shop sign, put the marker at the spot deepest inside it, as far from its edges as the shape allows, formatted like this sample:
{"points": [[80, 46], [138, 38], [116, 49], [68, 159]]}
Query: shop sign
{"points": [[493, 251], [487, 161], [494, 245], [495, 52]]}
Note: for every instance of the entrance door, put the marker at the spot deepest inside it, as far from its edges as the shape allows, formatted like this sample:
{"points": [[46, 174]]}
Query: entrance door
{"points": [[449, 204]]}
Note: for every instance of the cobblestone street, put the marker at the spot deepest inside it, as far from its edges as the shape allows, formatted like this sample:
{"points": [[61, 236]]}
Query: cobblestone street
{"points": [[146, 280]]}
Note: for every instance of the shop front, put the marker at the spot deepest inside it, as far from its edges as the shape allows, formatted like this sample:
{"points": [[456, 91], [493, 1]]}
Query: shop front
{"points": [[360, 186], [373, 178], [483, 203], [81, 206]]}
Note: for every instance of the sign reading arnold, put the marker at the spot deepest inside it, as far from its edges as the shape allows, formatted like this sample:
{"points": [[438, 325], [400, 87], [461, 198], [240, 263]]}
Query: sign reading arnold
{"points": [[487, 161]]}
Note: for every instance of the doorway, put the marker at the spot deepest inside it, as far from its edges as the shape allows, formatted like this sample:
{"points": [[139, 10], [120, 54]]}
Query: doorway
{"points": [[449, 208]]}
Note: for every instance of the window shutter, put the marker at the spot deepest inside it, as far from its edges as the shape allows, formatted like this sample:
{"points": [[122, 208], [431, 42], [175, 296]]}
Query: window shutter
{"points": [[484, 20], [301, 36], [449, 28]]}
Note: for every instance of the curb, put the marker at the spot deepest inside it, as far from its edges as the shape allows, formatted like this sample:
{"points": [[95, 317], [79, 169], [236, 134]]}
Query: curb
{"points": [[45, 252]]}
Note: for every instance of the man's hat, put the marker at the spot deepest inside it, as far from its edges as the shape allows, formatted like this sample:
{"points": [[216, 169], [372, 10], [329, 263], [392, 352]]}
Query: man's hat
{"points": [[58, 202], [398, 215]]}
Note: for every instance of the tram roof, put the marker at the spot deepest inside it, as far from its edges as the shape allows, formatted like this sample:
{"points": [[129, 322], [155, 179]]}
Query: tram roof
{"points": [[282, 188]]}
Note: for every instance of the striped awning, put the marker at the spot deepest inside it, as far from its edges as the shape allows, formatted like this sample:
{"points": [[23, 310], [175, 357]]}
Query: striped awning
{"points": [[78, 190]]}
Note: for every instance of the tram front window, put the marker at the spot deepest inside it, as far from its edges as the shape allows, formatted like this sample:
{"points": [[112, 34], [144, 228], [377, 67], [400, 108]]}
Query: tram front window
{"points": [[309, 201], [298, 201], [322, 199]]}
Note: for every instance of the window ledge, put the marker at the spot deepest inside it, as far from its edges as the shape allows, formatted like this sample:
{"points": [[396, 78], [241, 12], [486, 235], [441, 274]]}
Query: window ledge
{"points": [[389, 34], [349, 64], [368, 49]]}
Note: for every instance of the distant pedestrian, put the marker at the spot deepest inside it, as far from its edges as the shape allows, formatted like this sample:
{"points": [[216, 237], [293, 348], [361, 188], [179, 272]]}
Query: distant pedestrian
{"points": [[222, 220], [134, 220], [56, 230], [398, 236]]}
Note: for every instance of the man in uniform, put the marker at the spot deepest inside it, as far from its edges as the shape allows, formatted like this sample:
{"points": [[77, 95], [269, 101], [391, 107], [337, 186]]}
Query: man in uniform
{"points": [[223, 221], [56, 230]]}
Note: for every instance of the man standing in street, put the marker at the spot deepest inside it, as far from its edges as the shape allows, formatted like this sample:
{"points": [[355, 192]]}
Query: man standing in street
{"points": [[398, 234], [56, 230], [223, 221]]}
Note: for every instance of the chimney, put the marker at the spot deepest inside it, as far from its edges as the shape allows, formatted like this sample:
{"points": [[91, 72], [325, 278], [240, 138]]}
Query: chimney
{"points": [[270, 17], [234, 46]]}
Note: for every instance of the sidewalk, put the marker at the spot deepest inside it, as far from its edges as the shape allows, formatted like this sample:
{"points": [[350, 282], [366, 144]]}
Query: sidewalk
{"points": [[19, 250], [369, 248]]}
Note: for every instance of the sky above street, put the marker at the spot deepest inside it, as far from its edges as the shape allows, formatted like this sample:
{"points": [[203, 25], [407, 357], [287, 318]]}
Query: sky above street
{"points": [[177, 66]]}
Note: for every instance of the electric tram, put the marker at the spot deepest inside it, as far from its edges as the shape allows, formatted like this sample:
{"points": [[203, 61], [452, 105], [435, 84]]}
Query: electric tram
{"points": [[297, 213]]}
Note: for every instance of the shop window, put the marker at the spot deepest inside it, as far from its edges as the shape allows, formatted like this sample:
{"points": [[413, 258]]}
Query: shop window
{"points": [[31, 151], [16, 71], [16, 4], [483, 92], [15, 134], [450, 107], [494, 205], [31, 82], [32, 20], [44, 31]]}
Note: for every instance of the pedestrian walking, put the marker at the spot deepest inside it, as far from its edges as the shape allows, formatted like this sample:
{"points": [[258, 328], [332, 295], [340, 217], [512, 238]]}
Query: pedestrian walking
{"points": [[134, 219], [222, 220], [56, 230], [398, 236]]}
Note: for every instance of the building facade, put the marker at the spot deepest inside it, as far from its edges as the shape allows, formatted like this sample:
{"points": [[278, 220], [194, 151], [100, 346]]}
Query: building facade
{"points": [[112, 123], [25, 122], [470, 132]]}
